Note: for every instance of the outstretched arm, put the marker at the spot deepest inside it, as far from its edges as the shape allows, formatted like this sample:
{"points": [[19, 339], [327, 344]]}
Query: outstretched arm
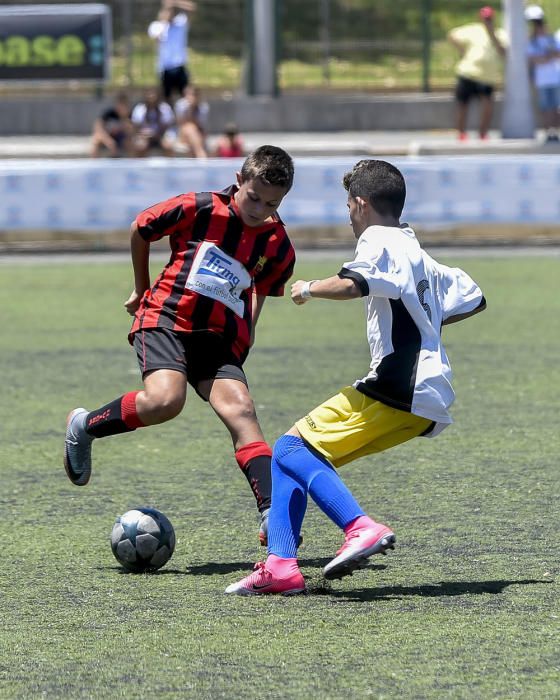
{"points": [[159, 27], [500, 48], [185, 5], [336, 288]]}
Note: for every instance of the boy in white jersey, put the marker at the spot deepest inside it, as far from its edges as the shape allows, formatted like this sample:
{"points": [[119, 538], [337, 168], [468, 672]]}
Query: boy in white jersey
{"points": [[406, 393]]}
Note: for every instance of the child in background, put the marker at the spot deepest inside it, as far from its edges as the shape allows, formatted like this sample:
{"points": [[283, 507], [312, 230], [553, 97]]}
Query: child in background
{"points": [[230, 143]]}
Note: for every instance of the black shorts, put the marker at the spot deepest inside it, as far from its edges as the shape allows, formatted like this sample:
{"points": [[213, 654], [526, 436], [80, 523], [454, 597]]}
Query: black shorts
{"points": [[174, 79], [466, 89], [199, 356]]}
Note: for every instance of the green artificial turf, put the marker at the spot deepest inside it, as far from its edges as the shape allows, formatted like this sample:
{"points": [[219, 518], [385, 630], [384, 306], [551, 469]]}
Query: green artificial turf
{"points": [[465, 607]]}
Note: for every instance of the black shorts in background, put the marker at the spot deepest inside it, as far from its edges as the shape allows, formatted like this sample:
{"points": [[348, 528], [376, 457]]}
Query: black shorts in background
{"points": [[466, 89], [174, 79], [200, 355]]}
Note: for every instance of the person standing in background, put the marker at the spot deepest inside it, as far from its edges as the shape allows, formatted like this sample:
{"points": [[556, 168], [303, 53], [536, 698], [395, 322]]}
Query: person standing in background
{"points": [[171, 30], [543, 52], [482, 49]]}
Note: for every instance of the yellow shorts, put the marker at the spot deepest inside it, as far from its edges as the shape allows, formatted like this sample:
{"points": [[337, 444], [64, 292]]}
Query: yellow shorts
{"points": [[351, 425]]}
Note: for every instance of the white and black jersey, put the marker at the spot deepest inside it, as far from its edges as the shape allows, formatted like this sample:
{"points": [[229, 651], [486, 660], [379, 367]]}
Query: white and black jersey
{"points": [[408, 297]]}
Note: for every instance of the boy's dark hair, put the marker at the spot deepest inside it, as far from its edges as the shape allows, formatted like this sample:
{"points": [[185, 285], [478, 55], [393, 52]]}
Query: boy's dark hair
{"points": [[270, 164], [380, 183]]}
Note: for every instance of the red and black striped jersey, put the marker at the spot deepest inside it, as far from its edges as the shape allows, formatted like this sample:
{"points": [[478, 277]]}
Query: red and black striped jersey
{"points": [[216, 264]]}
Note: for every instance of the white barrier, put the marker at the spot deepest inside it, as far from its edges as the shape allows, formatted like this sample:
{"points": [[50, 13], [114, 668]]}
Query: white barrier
{"points": [[105, 195]]}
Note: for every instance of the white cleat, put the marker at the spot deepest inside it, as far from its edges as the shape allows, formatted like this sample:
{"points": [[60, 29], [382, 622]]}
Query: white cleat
{"points": [[77, 448]]}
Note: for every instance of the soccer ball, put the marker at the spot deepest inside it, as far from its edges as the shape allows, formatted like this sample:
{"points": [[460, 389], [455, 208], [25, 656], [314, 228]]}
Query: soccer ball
{"points": [[143, 539]]}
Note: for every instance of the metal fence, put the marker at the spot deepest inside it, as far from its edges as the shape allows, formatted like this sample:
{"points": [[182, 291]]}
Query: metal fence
{"points": [[216, 43], [375, 45]]}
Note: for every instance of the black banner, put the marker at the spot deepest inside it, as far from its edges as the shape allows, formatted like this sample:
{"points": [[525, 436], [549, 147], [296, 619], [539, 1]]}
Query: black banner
{"points": [[55, 42]]}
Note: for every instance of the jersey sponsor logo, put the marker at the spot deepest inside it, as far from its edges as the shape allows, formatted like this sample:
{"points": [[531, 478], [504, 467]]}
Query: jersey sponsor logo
{"points": [[216, 275], [310, 422], [220, 266]]}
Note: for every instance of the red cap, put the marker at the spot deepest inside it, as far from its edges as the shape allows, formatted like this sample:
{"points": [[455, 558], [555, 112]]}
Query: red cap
{"points": [[486, 12]]}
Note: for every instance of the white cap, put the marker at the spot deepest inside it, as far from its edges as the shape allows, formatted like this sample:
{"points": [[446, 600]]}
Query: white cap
{"points": [[534, 12]]}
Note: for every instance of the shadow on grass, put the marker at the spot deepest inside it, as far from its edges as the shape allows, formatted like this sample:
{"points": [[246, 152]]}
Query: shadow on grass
{"points": [[212, 567], [364, 595], [440, 590], [125, 572], [209, 569]]}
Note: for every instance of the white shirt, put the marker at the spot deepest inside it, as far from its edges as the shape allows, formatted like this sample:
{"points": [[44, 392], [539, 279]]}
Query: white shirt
{"points": [[408, 296], [154, 121], [172, 39], [544, 74], [183, 110]]}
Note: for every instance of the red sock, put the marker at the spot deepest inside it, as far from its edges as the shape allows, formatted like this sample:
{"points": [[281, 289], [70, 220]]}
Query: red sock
{"points": [[128, 409], [248, 452]]}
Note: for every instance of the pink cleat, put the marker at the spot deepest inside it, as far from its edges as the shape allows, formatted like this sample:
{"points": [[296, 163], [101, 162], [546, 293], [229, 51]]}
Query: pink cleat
{"points": [[262, 581], [360, 544]]}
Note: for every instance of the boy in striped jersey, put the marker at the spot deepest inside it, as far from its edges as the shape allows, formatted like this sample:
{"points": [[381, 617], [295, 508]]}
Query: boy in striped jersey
{"points": [[196, 323], [405, 394]]}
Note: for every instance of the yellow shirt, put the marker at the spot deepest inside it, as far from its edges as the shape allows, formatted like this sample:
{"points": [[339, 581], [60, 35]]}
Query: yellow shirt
{"points": [[481, 61]]}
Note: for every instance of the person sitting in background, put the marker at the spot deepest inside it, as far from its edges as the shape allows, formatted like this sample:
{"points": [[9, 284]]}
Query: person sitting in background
{"points": [[543, 52], [113, 129], [191, 115], [230, 143], [151, 119], [482, 49]]}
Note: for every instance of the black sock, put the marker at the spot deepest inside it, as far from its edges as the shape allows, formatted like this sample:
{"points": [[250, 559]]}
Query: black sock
{"points": [[116, 417], [254, 461], [257, 472]]}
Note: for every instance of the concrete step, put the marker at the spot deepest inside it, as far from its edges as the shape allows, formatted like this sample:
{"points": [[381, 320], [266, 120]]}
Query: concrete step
{"points": [[341, 143]]}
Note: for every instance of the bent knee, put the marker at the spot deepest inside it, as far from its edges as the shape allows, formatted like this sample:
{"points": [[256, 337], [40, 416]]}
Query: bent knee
{"points": [[243, 408], [236, 412], [165, 406]]}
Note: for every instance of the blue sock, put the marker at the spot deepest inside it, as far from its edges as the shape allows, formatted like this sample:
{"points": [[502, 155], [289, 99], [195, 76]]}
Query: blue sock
{"points": [[289, 503], [296, 471]]}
